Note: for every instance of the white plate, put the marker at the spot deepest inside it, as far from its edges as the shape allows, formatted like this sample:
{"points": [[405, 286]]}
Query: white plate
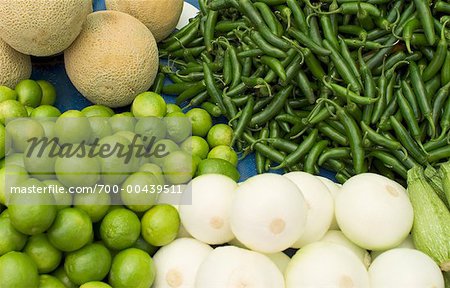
{"points": [[189, 11]]}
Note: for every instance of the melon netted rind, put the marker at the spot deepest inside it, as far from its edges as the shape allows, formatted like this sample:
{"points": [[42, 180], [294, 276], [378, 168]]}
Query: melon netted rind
{"points": [[114, 59], [14, 66], [160, 16], [42, 27]]}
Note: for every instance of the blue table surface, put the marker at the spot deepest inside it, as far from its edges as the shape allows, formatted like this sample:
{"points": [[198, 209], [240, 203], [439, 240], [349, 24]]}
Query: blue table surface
{"points": [[52, 70]]}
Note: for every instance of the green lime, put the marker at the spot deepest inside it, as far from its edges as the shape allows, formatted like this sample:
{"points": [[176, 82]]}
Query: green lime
{"points": [[29, 110], [132, 268], [11, 109], [48, 281], [48, 92], [201, 121], [90, 263], [77, 171], [43, 253], [145, 246], [114, 167], [97, 111], [140, 191], [151, 129], [95, 204], [24, 132], [196, 146], [63, 198], [178, 126], [224, 152], [172, 108], [10, 238], [49, 128], [5, 142], [29, 93], [7, 93], [219, 134], [18, 270], [122, 122], [73, 127], [40, 161], [61, 275], [160, 225], [120, 228], [179, 167], [95, 284], [100, 128], [15, 159], [71, 230], [154, 170], [218, 166], [149, 104], [10, 176], [137, 148], [31, 213], [161, 149], [45, 111]]}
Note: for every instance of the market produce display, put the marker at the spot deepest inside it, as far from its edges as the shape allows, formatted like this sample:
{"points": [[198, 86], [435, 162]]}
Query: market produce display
{"points": [[141, 188]]}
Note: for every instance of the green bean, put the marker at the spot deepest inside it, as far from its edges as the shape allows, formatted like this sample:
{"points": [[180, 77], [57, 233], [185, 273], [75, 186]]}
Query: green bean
{"points": [[301, 150], [423, 9], [442, 153], [408, 115], [341, 67], [305, 40], [390, 162], [275, 65], [445, 119], [260, 160], [354, 136], [222, 4], [421, 94], [408, 142], [191, 92], [438, 59], [382, 101], [328, 33], [212, 109], [313, 155], [432, 86], [159, 83], [334, 153], [369, 87], [445, 71], [299, 16], [439, 101], [409, 95], [265, 150], [332, 134], [345, 53], [269, 18], [305, 86], [273, 108], [265, 46], [354, 30], [212, 89]]}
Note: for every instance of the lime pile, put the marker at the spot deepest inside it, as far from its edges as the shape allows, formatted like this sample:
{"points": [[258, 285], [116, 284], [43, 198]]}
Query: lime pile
{"points": [[105, 236]]}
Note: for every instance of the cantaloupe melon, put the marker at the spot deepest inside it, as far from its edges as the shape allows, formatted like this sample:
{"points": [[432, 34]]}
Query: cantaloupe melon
{"points": [[160, 16], [14, 66], [42, 27], [114, 59]]}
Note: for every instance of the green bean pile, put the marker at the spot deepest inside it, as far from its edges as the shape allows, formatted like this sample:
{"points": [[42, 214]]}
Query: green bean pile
{"points": [[348, 86]]}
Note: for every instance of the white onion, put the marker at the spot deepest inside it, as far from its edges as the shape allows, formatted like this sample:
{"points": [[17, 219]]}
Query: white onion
{"points": [[268, 213], [320, 206]]}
